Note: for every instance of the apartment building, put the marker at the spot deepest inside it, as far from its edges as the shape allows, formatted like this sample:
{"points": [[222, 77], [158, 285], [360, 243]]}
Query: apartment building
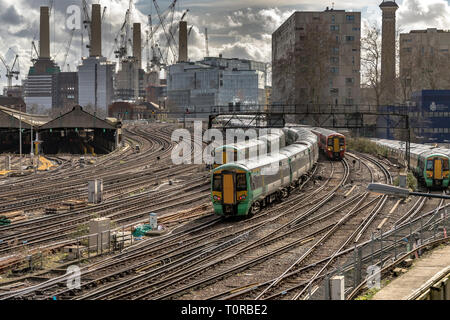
{"points": [[316, 58]]}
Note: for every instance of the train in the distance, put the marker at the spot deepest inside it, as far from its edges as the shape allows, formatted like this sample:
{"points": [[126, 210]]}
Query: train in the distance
{"points": [[244, 187], [333, 144], [430, 164]]}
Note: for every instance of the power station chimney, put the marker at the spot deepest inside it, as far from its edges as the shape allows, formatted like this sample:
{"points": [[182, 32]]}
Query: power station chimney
{"points": [[96, 32], [137, 44], [44, 41], [388, 52], [183, 39]]}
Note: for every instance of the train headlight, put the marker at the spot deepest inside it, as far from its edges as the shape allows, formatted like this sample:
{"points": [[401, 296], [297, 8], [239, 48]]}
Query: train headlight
{"points": [[216, 198], [429, 174], [330, 148], [243, 197], [446, 175]]}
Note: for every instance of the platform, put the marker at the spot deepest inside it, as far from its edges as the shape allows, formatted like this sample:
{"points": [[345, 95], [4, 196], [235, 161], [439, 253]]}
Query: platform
{"points": [[423, 270]]}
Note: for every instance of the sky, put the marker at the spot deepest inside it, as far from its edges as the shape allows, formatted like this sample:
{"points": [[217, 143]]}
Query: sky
{"points": [[236, 28]]}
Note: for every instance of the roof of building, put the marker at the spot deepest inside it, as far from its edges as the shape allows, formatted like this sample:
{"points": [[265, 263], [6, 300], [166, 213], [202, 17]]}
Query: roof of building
{"points": [[78, 118], [10, 118], [386, 4]]}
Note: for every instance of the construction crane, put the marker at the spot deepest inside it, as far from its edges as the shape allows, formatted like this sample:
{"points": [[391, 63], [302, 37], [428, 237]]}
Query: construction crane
{"points": [[34, 49], [162, 23], [68, 48], [10, 72], [121, 47], [104, 13], [206, 42], [87, 25]]}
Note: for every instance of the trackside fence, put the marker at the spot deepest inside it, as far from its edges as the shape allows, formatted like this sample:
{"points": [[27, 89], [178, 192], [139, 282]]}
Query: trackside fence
{"points": [[363, 265]]}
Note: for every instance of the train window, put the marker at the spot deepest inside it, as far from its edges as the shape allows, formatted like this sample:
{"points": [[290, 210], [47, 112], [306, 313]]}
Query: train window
{"points": [[330, 141], [241, 182], [217, 182], [430, 165], [341, 142], [445, 165]]}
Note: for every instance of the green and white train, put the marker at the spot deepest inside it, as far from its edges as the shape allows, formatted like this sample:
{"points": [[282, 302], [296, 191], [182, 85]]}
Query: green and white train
{"points": [[244, 187], [430, 164]]}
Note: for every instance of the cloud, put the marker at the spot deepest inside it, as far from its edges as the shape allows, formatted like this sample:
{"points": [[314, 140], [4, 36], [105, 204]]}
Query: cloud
{"points": [[236, 28], [417, 14]]}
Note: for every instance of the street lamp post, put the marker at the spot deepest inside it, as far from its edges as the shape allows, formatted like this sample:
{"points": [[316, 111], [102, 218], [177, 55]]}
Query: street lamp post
{"points": [[400, 192], [20, 141]]}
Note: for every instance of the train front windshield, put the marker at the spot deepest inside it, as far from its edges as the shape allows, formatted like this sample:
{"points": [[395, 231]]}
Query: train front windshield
{"points": [[217, 182], [437, 166], [336, 143]]}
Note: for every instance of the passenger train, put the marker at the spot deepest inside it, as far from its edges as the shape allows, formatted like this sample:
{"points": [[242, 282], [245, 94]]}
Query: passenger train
{"points": [[249, 149], [332, 143], [429, 164], [243, 187]]}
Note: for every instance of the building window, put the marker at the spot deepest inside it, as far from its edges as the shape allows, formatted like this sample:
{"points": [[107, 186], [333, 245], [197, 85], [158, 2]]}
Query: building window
{"points": [[334, 60], [350, 18], [334, 28], [336, 50], [350, 38], [337, 38], [333, 19], [334, 91], [356, 29], [334, 70], [349, 80], [407, 49], [349, 102]]}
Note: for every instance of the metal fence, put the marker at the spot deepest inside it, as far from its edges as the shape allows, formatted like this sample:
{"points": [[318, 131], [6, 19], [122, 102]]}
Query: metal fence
{"points": [[364, 263]]}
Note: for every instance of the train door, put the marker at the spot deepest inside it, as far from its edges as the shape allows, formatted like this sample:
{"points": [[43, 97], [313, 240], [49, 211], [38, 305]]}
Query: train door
{"points": [[228, 188], [336, 144], [438, 168]]}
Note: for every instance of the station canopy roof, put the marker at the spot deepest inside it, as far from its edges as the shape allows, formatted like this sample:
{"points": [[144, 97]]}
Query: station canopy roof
{"points": [[78, 118], [11, 118]]}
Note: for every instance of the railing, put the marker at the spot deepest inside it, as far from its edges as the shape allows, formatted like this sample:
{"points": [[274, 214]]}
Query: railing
{"points": [[368, 262]]}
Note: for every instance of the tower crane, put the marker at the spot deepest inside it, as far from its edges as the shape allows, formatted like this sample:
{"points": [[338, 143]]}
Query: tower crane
{"points": [[206, 42], [87, 25], [68, 48], [162, 23], [10, 72], [121, 47]]}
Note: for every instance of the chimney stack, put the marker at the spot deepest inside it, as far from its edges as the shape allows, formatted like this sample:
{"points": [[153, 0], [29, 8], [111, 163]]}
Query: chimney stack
{"points": [[388, 52], [44, 41], [183, 39], [137, 44], [96, 31]]}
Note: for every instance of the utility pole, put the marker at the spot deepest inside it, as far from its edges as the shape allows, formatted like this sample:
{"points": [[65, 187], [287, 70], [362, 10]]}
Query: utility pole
{"points": [[20, 141], [31, 141]]}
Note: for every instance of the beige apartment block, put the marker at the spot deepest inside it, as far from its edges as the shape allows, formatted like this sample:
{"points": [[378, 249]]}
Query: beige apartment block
{"points": [[316, 58], [424, 61]]}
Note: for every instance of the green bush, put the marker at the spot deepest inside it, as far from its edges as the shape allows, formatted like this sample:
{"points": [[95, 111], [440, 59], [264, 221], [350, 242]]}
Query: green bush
{"points": [[366, 146], [411, 181]]}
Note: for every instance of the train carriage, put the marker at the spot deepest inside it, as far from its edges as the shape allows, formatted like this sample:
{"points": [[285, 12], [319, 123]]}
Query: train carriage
{"points": [[332, 143], [428, 163], [249, 149], [244, 187]]}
